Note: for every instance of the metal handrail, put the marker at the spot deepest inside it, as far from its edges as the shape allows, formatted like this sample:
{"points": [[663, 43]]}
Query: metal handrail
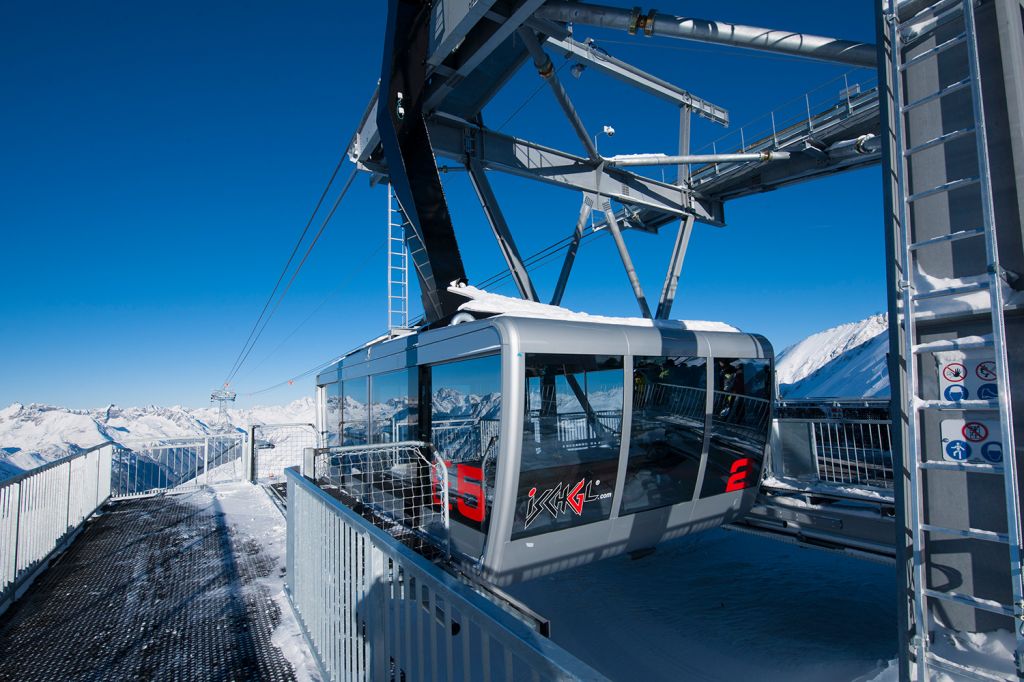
{"points": [[41, 511], [366, 601], [17, 478]]}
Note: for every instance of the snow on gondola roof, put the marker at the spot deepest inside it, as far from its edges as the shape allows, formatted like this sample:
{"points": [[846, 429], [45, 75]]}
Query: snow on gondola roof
{"points": [[480, 301]]}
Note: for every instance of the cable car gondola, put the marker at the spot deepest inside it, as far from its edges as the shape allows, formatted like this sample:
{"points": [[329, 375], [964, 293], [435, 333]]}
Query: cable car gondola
{"points": [[566, 441]]}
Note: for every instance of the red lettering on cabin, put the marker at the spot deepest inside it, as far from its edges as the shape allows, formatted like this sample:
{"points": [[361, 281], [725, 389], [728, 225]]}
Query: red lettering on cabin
{"points": [[576, 498]]}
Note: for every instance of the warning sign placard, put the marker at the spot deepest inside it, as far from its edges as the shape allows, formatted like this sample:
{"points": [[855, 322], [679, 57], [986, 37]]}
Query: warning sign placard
{"points": [[967, 376], [971, 440]]}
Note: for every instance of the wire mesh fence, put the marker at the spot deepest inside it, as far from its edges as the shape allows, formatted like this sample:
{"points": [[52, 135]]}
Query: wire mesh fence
{"points": [[279, 446], [400, 487]]}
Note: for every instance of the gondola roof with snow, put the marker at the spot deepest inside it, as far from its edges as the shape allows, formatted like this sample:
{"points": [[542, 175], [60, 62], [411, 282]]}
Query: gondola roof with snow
{"points": [[483, 302]]}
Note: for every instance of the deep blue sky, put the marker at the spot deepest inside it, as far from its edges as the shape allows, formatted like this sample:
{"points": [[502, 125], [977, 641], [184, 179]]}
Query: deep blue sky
{"points": [[159, 161]]}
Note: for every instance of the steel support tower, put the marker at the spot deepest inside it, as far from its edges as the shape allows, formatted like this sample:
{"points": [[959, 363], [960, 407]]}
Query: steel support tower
{"points": [[952, 72]]}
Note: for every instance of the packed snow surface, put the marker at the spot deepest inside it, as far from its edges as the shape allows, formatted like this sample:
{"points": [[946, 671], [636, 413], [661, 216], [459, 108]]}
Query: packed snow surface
{"points": [[724, 605], [480, 301], [249, 512]]}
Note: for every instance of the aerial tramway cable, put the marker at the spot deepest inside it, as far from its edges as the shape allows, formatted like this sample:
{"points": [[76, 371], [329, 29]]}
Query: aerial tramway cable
{"points": [[284, 270], [251, 344]]}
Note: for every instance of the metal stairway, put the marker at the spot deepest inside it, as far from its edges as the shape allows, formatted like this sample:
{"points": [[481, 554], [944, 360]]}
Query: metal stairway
{"points": [[398, 267], [911, 31]]}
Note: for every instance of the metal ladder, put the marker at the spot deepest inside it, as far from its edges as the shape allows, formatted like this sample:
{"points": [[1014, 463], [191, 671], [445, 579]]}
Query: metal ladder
{"points": [[398, 267], [922, 25]]}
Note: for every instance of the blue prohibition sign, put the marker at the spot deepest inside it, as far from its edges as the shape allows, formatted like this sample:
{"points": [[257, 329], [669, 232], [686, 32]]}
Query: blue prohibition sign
{"points": [[988, 391], [993, 452], [959, 450], [955, 393]]}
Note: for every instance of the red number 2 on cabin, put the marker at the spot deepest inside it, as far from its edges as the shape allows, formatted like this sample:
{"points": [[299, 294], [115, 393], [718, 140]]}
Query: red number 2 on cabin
{"points": [[738, 474]]}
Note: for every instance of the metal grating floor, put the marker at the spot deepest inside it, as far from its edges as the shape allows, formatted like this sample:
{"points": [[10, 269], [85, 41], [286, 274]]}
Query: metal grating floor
{"points": [[154, 589]]}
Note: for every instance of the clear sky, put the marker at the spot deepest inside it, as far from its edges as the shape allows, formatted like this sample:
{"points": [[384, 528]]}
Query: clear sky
{"points": [[159, 161]]}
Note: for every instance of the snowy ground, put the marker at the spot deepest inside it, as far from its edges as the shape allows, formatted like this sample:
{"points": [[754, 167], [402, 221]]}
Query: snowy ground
{"points": [[724, 605], [248, 510]]}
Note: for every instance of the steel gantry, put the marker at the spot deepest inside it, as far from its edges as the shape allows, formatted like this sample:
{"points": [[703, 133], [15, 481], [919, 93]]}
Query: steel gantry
{"points": [[444, 61], [945, 117]]}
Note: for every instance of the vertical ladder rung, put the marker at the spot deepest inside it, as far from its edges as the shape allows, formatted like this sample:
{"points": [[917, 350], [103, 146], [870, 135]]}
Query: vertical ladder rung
{"points": [[936, 9], [965, 343], [974, 467], [952, 237], [959, 405], [941, 139], [931, 52], [960, 670], [948, 90], [970, 533], [944, 187], [984, 604], [918, 28], [951, 291]]}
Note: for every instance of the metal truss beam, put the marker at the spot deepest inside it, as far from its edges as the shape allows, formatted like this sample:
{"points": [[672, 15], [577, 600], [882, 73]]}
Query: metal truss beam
{"points": [[574, 246], [665, 160], [592, 56], [627, 262], [452, 22], [456, 139], [475, 47], [689, 28], [675, 267], [502, 234], [546, 70]]}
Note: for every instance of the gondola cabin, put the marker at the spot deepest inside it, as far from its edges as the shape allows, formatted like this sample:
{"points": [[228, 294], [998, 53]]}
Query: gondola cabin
{"points": [[566, 441]]}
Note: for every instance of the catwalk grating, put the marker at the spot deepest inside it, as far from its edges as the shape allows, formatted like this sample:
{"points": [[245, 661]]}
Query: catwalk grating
{"points": [[153, 589]]}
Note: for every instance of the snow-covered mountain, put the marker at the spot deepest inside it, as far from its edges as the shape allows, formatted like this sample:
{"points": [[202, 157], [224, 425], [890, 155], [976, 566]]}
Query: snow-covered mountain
{"points": [[848, 361], [31, 435]]}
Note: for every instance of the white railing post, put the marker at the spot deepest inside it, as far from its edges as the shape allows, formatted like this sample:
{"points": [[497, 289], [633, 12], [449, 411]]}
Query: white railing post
{"points": [[206, 461], [309, 463], [67, 507], [248, 472]]}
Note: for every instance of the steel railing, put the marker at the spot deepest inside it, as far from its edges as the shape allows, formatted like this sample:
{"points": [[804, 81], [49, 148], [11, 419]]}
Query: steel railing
{"points": [[684, 402], [576, 429], [41, 511], [374, 609], [812, 113], [176, 464], [837, 443]]}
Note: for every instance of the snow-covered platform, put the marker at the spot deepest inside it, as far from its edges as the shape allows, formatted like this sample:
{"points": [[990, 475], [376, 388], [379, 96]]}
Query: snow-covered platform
{"points": [[185, 587], [724, 605]]}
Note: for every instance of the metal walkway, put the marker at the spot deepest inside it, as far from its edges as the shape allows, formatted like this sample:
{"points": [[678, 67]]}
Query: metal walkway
{"points": [[155, 588]]}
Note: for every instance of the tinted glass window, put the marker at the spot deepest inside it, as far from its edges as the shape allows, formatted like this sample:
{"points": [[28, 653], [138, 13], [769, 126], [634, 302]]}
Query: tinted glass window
{"points": [[332, 414], [572, 428], [392, 410], [740, 420], [667, 436], [465, 404], [353, 412]]}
